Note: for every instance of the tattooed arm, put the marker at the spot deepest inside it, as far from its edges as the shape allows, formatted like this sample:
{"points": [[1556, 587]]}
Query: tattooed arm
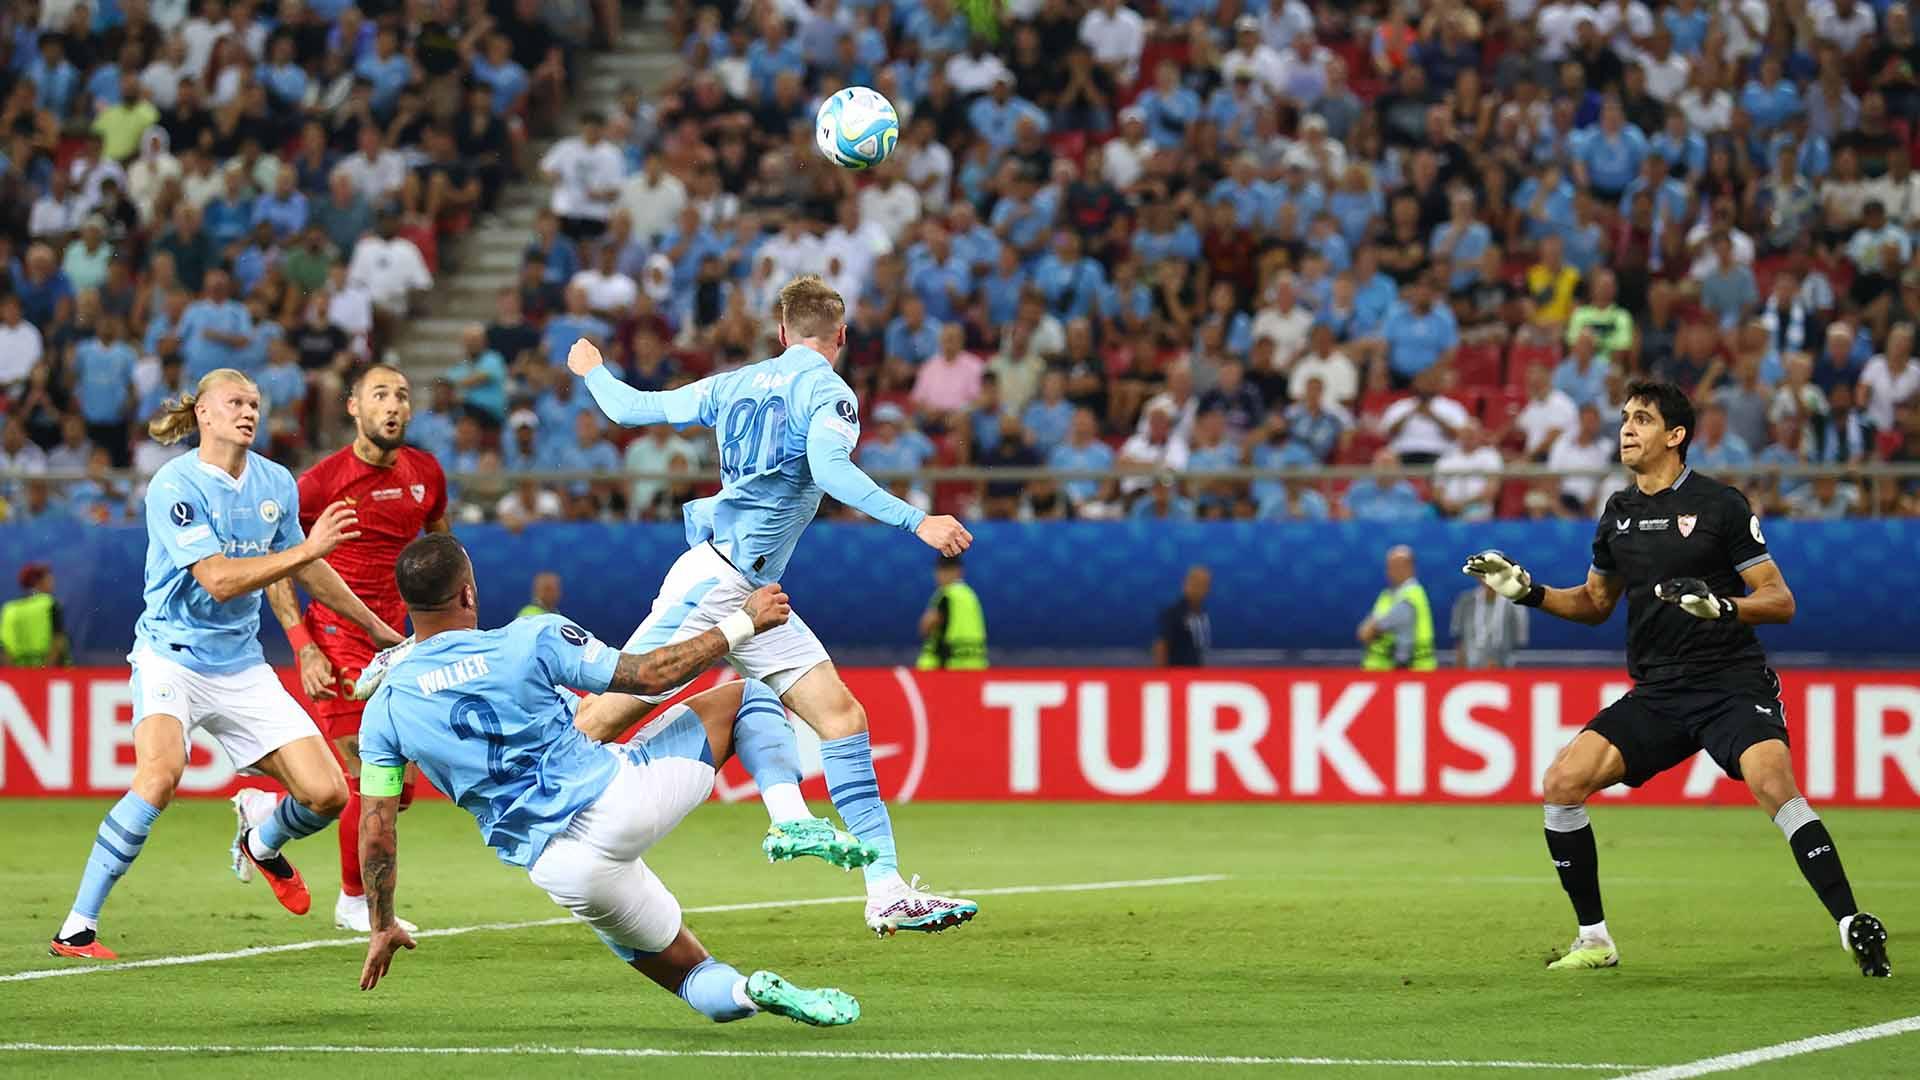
{"points": [[669, 666], [379, 852]]}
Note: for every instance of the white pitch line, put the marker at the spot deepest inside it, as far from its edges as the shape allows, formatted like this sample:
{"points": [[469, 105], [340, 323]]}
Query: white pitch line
{"points": [[456, 931], [1029, 1057], [1746, 1058]]}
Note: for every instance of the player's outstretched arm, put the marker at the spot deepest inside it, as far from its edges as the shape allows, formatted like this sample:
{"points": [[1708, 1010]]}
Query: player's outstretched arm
{"points": [[1591, 603], [662, 669], [324, 584], [379, 854], [629, 407], [316, 673], [226, 577], [830, 442]]}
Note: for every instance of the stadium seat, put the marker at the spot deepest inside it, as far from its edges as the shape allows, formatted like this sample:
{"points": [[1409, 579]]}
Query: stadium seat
{"points": [[1477, 366], [1526, 356]]}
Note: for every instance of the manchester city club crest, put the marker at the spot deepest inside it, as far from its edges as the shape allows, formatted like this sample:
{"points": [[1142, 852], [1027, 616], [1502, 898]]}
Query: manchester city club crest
{"points": [[269, 511]]}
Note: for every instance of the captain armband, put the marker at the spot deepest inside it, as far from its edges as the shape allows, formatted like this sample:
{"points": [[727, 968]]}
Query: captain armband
{"points": [[381, 781]]}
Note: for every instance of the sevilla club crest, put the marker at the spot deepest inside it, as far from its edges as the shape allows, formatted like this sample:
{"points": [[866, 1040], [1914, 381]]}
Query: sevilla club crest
{"points": [[1685, 521]]}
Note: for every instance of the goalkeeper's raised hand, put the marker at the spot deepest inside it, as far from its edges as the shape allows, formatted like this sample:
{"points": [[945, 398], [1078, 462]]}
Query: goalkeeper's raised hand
{"points": [[1501, 574], [1696, 599]]}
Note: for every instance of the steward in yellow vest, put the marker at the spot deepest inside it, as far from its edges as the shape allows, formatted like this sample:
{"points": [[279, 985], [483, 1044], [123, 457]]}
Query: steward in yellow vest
{"points": [[954, 626], [30, 627], [1399, 632]]}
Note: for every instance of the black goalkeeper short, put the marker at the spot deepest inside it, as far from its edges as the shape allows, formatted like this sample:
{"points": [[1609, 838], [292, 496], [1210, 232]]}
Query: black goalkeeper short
{"points": [[1658, 727]]}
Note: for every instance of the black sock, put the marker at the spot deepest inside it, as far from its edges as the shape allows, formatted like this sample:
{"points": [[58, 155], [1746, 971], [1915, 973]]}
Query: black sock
{"points": [[1577, 859], [1820, 865]]}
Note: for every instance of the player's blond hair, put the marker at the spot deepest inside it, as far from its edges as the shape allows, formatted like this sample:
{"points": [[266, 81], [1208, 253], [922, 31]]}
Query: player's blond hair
{"points": [[810, 308], [176, 420]]}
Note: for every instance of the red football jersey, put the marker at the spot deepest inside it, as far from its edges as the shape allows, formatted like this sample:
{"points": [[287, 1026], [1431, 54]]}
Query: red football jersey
{"points": [[395, 504]]}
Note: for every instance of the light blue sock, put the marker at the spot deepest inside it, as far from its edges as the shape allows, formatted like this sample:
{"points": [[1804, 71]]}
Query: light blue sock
{"points": [[856, 795], [763, 739], [290, 821], [123, 832], [717, 992]]}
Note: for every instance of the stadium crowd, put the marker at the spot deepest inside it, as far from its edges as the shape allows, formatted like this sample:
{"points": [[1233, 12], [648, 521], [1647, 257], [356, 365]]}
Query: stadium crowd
{"points": [[1163, 239]]}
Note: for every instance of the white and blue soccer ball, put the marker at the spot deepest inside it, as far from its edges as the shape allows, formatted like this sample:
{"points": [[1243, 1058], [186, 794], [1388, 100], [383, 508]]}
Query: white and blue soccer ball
{"points": [[856, 128]]}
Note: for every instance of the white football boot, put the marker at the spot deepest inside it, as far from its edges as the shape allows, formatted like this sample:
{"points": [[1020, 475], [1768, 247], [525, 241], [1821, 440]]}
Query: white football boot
{"points": [[350, 913], [377, 668], [912, 908]]}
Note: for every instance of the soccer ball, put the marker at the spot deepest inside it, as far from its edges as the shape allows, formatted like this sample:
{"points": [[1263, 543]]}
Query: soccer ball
{"points": [[856, 128]]}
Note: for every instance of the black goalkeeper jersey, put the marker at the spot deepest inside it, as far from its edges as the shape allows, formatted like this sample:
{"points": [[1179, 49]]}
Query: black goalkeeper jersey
{"points": [[1700, 528]]}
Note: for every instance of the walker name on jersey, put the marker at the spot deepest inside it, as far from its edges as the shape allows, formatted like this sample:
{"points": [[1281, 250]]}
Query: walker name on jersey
{"points": [[452, 675]]}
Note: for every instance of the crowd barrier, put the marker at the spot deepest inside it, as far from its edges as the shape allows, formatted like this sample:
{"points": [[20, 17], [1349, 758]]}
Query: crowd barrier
{"points": [[1082, 585], [1278, 735]]}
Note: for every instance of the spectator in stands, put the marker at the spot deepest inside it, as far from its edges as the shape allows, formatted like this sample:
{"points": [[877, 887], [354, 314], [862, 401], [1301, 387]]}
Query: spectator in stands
{"points": [[890, 446], [1837, 365], [1786, 449], [1825, 499], [1048, 418], [1582, 376], [480, 379], [576, 322], [610, 293], [1386, 495], [1163, 502], [1424, 425], [1003, 499], [103, 370], [509, 334], [21, 346], [1084, 452], [1581, 454], [1891, 379], [949, 381], [655, 451], [1156, 448], [1421, 335], [375, 171], [1715, 447], [1322, 427], [1746, 401], [521, 450], [45, 294], [1551, 284], [1548, 416], [390, 269], [1467, 476], [586, 172]]}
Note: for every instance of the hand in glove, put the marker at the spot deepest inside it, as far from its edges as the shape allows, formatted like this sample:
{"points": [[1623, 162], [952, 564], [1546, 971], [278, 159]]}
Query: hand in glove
{"points": [[1503, 575], [1696, 599]]}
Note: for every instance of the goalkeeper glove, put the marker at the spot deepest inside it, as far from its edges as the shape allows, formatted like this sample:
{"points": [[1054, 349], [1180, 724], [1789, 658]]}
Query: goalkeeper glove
{"points": [[1506, 577], [1696, 599]]}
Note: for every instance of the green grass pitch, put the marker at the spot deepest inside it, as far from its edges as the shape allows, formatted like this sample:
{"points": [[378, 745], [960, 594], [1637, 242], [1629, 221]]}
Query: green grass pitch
{"points": [[1385, 933]]}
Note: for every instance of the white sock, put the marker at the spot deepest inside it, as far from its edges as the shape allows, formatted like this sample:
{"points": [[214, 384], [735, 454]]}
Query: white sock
{"points": [[260, 851], [886, 885], [740, 997], [784, 803], [1596, 932], [75, 923], [353, 901]]}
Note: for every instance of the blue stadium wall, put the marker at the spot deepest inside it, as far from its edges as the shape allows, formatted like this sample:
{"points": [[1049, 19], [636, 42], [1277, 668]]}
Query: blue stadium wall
{"points": [[1084, 585]]}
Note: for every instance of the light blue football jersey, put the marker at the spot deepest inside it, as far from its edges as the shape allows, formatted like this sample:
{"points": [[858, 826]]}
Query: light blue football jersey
{"points": [[484, 715], [195, 510], [786, 429]]}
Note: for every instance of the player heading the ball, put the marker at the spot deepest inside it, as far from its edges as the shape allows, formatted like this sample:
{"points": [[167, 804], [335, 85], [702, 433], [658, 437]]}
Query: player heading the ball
{"points": [[786, 427]]}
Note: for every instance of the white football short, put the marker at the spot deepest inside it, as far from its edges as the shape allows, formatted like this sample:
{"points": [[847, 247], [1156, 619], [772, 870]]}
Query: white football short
{"points": [[594, 868], [249, 713], [703, 588]]}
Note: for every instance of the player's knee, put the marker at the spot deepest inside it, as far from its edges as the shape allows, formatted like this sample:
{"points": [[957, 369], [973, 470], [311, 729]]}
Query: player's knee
{"points": [[328, 799], [846, 718], [155, 781], [1567, 784]]}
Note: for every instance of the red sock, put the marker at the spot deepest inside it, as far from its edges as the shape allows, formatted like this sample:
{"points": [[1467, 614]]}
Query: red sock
{"points": [[350, 841]]}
